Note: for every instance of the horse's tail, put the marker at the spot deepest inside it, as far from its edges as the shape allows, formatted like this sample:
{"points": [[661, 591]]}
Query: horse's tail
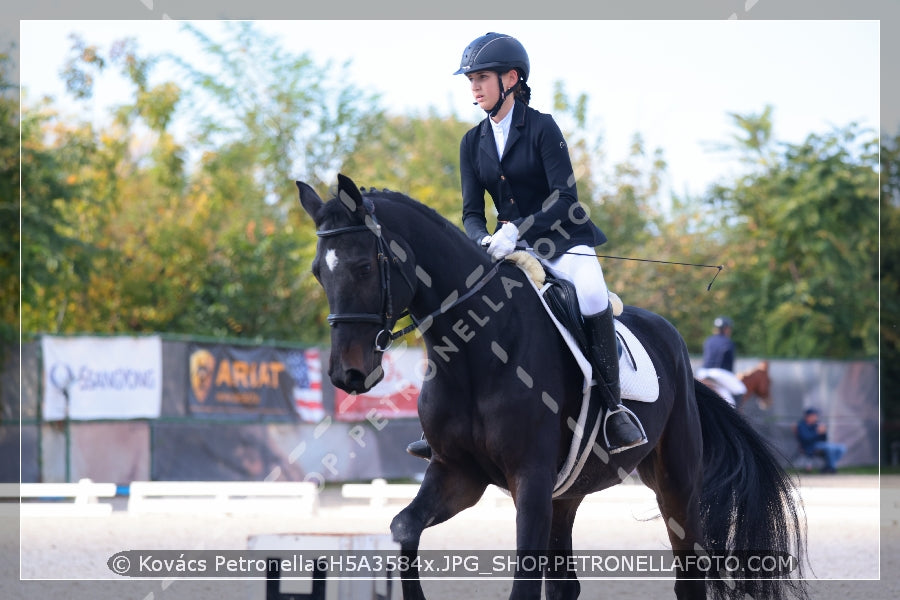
{"points": [[749, 507]]}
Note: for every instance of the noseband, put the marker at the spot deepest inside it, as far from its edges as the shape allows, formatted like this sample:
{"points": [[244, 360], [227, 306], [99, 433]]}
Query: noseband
{"points": [[384, 338]]}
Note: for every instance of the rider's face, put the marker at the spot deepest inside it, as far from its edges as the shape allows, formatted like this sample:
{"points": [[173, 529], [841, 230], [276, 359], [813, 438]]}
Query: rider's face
{"points": [[485, 86]]}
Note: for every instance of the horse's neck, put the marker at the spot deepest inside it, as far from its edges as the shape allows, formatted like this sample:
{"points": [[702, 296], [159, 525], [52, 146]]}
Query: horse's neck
{"points": [[445, 274]]}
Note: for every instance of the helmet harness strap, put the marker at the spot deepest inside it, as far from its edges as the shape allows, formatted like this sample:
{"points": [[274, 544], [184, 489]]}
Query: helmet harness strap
{"points": [[503, 94]]}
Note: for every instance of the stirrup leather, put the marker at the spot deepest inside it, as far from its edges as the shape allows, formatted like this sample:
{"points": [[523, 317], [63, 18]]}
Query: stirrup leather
{"points": [[621, 408]]}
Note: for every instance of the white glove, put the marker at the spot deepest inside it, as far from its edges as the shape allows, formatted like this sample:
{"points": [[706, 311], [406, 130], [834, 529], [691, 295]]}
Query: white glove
{"points": [[503, 243], [485, 241]]}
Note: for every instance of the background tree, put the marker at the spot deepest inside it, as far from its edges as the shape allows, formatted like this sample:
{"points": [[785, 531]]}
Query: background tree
{"points": [[201, 236], [626, 201], [803, 239], [418, 156], [9, 204], [180, 214]]}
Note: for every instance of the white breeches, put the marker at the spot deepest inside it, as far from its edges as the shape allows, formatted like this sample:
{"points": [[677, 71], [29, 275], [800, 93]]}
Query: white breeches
{"points": [[581, 267]]}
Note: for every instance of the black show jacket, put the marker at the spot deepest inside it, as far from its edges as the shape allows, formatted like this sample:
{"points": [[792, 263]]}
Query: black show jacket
{"points": [[533, 186]]}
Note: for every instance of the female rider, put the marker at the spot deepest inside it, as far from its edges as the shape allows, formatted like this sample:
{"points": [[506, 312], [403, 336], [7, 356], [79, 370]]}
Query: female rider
{"points": [[519, 157]]}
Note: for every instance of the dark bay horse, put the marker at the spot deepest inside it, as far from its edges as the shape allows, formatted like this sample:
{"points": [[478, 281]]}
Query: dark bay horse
{"points": [[501, 389]]}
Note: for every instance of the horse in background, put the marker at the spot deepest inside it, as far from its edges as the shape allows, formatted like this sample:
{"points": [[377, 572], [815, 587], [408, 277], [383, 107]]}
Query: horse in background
{"points": [[737, 389], [758, 385]]}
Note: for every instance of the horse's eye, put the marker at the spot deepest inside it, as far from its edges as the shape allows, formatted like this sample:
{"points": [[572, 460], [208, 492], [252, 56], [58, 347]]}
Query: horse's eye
{"points": [[364, 270]]}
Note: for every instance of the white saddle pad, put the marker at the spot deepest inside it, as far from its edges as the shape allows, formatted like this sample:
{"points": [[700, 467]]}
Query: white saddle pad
{"points": [[639, 380], [637, 377]]}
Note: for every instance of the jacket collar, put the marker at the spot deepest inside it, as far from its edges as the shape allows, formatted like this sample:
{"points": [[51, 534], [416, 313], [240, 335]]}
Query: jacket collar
{"points": [[488, 146]]}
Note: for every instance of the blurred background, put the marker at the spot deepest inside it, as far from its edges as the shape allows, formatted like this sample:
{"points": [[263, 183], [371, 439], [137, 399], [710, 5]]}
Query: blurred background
{"points": [[158, 205]]}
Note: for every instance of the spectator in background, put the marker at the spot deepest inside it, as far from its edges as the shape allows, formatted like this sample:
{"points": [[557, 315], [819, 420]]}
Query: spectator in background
{"points": [[718, 349], [717, 371], [813, 437]]}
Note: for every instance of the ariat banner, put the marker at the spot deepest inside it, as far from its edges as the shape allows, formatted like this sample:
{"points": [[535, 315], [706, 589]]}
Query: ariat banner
{"points": [[254, 381], [396, 395], [88, 377]]}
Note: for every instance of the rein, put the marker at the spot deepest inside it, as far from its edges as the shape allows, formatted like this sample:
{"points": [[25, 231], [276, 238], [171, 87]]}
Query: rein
{"points": [[385, 318]]}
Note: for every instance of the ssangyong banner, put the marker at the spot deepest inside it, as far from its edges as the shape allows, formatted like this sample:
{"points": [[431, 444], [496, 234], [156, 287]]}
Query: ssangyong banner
{"points": [[395, 396], [255, 381], [88, 377]]}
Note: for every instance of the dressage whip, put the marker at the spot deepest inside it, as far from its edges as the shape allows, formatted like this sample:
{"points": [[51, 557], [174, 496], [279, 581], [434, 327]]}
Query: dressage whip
{"points": [[663, 262], [670, 262]]}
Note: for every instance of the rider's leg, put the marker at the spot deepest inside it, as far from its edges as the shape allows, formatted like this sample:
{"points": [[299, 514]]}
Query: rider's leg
{"points": [[580, 266], [621, 431]]}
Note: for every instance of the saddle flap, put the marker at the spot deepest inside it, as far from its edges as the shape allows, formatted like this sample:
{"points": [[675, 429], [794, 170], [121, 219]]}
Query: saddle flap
{"points": [[562, 299]]}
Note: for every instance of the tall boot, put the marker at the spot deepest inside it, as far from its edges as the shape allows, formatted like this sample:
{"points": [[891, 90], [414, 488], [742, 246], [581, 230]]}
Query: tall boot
{"points": [[621, 427], [420, 449]]}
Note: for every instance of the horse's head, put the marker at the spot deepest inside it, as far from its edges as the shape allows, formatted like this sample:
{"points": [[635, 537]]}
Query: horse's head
{"points": [[362, 273]]}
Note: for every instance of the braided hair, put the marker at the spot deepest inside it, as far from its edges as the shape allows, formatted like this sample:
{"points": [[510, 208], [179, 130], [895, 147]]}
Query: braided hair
{"points": [[523, 92]]}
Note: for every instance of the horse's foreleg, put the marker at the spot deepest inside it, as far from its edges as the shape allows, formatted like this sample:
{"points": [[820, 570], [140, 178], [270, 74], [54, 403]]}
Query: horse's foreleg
{"points": [[562, 581], [443, 493], [534, 511]]}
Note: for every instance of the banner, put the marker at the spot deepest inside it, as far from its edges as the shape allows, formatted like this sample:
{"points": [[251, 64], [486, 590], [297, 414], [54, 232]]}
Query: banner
{"points": [[394, 397], [101, 377], [305, 368], [254, 381]]}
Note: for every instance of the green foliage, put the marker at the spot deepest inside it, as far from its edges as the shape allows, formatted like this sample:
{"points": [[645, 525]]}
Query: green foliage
{"points": [[289, 117], [754, 132], [9, 203], [132, 227], [803, 242], [418, 156], [133, 230]]}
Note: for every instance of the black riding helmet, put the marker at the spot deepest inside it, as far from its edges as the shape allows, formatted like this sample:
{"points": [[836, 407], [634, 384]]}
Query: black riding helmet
{"points": [[499, 53], [722, 322]]}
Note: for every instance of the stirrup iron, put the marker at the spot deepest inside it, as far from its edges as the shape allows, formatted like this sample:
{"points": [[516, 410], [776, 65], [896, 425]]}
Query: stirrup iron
{"points": [[621, 408]]}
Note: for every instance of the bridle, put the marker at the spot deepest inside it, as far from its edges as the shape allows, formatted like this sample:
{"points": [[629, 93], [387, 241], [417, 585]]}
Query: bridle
{"points": [[386, 336]]}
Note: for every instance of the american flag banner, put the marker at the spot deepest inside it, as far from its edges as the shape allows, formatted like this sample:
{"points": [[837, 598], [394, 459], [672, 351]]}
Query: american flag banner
{"points": [[305, 368], [394, 397]]}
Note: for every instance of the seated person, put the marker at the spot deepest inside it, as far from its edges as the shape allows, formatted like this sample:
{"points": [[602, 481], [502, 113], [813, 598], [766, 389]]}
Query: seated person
{"points": [[813, 437]]}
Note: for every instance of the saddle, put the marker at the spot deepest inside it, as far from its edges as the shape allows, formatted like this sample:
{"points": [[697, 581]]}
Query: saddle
{"points": [[562, 300], [636, 371]]}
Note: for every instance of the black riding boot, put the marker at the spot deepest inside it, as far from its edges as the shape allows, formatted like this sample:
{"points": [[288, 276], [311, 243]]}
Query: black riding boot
{"points": [[420, 449], [621, 426]]}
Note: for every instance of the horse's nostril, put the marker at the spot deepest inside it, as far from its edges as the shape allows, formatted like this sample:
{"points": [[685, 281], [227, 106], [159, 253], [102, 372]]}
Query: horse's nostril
{"points": [[355, 380]]}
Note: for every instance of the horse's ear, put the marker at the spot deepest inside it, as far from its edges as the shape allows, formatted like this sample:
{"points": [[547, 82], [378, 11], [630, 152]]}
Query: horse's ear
{"points": [[310, 200], [350, 195]]}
